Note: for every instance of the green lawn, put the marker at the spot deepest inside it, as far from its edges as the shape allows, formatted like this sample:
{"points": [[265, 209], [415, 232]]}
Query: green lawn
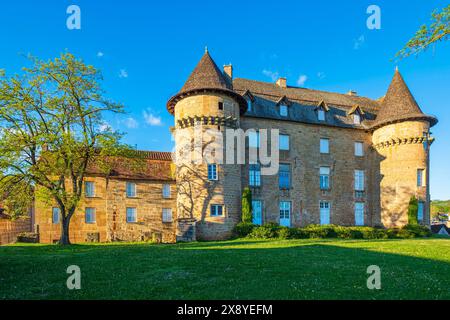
{"points": [[238, 269]]}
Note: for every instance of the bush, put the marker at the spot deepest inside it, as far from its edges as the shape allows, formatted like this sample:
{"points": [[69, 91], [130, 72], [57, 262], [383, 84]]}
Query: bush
{"points": [[243, 229], [412, 211], [274, 231], [247, 205]]}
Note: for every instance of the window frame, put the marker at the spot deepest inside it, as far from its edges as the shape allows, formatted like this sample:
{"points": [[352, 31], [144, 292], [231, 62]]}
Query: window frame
{"points": [[166, 191], [165, 213], [216, 210], [361, 144], [135, 214], [212, 174], [325, 177], [92, 214], [134, 193], [249, 104], [280, 142], [58, 220], [86, 183], [321, 115], [322, 146], [420, 205], [254, 175], [359, 178], [420, 177], [283, 177], [358, 210], [357, 119], [283, 107]]}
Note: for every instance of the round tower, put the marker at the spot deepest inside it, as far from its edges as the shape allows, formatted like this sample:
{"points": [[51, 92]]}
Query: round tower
{"points": [[208, 190], [401, 139]]}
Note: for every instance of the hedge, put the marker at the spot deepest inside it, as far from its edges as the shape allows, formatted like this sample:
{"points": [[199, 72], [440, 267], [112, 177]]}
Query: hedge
{"points": [[274, 231]]}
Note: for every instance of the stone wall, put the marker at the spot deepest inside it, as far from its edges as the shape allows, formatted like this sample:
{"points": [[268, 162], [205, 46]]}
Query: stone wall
{"points": [[305, 160], [110, 203], [10, 229], [400, 147]]}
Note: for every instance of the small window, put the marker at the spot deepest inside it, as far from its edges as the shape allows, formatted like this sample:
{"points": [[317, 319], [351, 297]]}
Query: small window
{"points": [[359, 180], [255, 175], [420, 209], [249, 105], [325, 178], [321, 115], [216, 210], [220, 105], [324, 145], [284, 142], [131, 215], [131, 189], [359, 149], [359, 213], [166, 191], [356, 118], [212, 172], [89, 189], [284, 176], [90, 215], [56, 215], [253, 139], [167, 215], [420, 177], [283, 110]]}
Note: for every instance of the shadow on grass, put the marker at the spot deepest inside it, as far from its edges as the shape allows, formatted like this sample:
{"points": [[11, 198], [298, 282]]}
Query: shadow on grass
{"points": [[239, 269]]}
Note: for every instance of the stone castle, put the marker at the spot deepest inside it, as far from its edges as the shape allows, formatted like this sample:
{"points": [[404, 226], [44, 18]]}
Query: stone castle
{"points": [[343, 159]]}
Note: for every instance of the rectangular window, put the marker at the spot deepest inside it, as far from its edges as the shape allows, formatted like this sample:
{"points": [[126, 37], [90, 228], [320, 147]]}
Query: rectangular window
{"points": [[284, 142], [131, 215], [283, 110], [253, 139], [359, 213], [324, 178], [257, 212], [321, 115], [131, 189], [359, 180], [220, 105], [359, 149], [167, 215], [325, 209], [56, 215], [284, 176], [324, 145], [90, 215], [216, 210], [249, 105], [356, 118], [89, 189], [420, 177], [212, 172], [166, 191], [255, 175], [420, 209]]}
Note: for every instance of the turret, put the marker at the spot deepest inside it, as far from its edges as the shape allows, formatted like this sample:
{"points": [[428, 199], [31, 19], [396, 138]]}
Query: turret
{"points": [[401, 139], [209, 192]]}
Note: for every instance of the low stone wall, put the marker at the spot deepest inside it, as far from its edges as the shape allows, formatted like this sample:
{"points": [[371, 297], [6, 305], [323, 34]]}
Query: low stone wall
{"points": [[10, 229]]}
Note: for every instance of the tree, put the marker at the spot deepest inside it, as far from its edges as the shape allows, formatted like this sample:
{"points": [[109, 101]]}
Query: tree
{"points": [[247, 205], [439, 30], [412, 211], [51, 131], [16, 197]]}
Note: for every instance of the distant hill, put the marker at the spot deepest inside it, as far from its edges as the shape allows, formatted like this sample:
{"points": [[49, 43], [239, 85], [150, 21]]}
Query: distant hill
{"points": [[440, 206]]}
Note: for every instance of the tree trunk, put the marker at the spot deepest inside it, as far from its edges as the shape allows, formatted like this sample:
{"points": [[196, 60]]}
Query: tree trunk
{"points": [[64, 240]]}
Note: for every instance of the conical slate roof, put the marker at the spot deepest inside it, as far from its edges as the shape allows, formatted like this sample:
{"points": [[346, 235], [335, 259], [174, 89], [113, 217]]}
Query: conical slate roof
{"points": [[206, 77], [399, 105]]}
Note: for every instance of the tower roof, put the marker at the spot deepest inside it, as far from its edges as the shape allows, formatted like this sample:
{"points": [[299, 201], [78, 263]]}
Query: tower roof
{"points": [[399, 105], [206, 77]]}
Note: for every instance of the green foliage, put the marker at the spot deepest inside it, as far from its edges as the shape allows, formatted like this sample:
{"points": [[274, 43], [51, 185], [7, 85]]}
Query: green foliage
{"points": [[274, 231], [16, 196], [412, 211], [51, 129], [438, 30], [247, 205], [243, 229]]}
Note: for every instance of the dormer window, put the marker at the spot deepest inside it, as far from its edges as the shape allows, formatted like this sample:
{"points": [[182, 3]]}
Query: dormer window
{"points": [[357, 114], [356, 118], [283, 110], [321, 115], [249, 105]]}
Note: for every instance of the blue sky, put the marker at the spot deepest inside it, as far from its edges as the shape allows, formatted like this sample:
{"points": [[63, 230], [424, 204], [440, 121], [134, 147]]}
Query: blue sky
{"points": [[146, 50]]}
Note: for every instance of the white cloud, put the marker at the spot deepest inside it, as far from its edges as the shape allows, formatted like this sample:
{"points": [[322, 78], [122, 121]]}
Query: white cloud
{"points": [[151, 119], [130, 123], [321, 75], [272, 75], [357, 43], [105, 126], [301, 80], [123, 73], [100, 54]]}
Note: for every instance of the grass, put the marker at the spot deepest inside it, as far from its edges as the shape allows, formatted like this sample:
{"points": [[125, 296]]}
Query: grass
{"points": [[238, 269]]}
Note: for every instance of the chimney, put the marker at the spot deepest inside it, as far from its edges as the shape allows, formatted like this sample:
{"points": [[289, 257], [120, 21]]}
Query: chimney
{"points": [[352, 93], [228, 71], [281, 82]]}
